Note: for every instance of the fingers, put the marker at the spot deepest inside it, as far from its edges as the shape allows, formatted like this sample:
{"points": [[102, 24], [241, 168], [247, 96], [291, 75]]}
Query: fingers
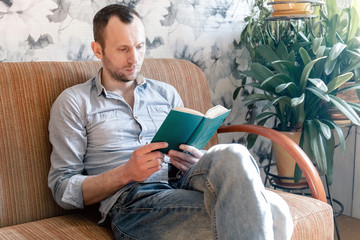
{"points": [[185, 160], [150, 147], [181, 164], [192, 150], [154, 164], [148, 152], [145, 161]]}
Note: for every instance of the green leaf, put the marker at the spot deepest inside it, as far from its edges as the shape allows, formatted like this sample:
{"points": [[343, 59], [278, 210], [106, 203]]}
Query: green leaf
{"points": [[236, 92], [320, 52], [292, 57], [355, 64], [262, 71], [316, 143], [302, 35], [319, 93], [297, 173], [282, 51], [317, 82], [329, 66], [298, 100], [283, 99], [355, 106], [354, 43], [273, 81], [290, 86], [250, 140], [305, 142], [256, 96], [354, 22], [253, 84], [331, 7], [304, 56], [339, 133], [270, 56], [329, 151], [324, 129], [290, 66], [306, 72], [334, 20], [265, 115], [336, 50], [346, 109], [336, 82], [316, 44]]}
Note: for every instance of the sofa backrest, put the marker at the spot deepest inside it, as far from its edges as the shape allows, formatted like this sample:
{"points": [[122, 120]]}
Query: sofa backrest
{"points": [[27, 91]]}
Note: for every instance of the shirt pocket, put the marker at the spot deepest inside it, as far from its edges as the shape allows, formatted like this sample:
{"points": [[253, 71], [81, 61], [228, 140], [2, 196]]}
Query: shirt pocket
{"points": [[111, 129], [158, 114]]}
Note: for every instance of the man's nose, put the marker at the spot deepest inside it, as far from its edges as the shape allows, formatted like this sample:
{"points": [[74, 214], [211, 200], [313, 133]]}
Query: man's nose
{"points": [[133, 56]]}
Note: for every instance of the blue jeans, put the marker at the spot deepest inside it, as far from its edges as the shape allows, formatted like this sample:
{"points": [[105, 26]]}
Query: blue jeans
{"points": [[221, 197]]}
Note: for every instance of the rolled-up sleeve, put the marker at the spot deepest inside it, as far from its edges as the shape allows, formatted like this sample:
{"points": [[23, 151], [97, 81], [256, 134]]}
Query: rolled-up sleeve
{"points": [[68, 138]]}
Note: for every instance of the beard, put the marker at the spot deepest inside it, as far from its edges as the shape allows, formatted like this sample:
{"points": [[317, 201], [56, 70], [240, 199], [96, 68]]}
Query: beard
{"points": [[114, 71]]}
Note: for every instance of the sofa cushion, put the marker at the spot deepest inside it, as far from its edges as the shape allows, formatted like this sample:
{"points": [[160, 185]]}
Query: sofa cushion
{"points": [[312, 218], [74, 226]]}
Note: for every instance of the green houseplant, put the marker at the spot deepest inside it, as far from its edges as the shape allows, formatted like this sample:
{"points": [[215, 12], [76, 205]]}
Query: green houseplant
{"points": [[298, 84]]}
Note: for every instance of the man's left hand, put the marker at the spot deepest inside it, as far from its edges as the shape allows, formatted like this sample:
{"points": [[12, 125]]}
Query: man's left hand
{"points": [[185, 160]]}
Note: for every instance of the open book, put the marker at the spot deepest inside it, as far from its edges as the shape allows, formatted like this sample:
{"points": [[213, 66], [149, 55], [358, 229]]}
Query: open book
{"points": [[188, 126]]}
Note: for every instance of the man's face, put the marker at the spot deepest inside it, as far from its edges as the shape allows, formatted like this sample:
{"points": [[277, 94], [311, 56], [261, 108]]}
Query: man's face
{"points": [[124, 50]]}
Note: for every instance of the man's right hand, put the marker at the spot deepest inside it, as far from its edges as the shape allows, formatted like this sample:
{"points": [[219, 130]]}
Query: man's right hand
{"points": [[145, 161]]}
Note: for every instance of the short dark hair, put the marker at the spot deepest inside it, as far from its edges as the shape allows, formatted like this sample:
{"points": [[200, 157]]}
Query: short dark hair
{"points": [[101, 19]]}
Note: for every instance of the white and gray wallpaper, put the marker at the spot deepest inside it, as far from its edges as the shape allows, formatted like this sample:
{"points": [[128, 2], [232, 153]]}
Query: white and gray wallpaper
{"points": [[205, 32]]}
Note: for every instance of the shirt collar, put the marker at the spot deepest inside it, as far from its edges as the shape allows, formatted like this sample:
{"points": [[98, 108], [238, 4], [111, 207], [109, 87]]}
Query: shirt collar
{"points": [[140, 80]]}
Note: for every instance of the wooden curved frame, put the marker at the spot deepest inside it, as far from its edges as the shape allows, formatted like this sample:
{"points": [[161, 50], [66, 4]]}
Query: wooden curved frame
{"points": [[305, 164]]}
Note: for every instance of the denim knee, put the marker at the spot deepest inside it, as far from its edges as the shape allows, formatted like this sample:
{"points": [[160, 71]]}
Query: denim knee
{"points": [[232, 156]]}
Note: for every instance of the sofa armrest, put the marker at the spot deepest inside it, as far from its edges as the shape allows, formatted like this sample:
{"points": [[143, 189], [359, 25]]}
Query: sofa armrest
{"points": [[305, 164]]}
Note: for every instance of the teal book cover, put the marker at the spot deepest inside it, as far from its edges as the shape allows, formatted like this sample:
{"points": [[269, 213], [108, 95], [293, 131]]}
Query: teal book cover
{"points": [[184, 125]]}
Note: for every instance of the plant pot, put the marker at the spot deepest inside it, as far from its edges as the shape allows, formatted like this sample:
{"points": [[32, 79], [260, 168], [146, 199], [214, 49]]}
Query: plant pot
{"points": [[285, 164], [291, 8], [348, 96]]}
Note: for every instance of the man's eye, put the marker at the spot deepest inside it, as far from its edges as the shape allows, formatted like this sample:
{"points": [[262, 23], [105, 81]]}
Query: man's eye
{"points": [[140, 46]]}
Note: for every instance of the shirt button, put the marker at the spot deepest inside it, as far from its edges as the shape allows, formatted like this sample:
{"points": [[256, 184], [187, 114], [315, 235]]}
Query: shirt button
{"points": [[141, 137], [136, 117]]}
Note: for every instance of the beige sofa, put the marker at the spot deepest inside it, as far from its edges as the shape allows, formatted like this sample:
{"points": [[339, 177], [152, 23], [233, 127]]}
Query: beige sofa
{"points": [[27, 209]]}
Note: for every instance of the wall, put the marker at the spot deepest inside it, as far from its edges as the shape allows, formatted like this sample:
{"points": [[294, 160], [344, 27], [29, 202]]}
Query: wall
{"points": [[346, 182], [205, 32]]}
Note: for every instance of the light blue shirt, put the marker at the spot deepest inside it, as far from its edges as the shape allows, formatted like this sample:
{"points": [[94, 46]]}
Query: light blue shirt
{"points": [[93, 130]]}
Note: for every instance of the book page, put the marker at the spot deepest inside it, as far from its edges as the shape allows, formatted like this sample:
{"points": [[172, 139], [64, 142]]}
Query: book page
{"points": [[216, 111], [188, 110]]}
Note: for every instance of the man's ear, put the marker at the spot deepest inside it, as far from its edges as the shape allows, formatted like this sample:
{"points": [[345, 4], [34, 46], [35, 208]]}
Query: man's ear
{"points": [[96, 47]]}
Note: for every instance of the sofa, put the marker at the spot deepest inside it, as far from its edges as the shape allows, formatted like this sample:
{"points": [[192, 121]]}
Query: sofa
{"points": [[27, 209]]}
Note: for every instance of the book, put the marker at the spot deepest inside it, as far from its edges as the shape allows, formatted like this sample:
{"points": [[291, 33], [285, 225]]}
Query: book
{"points": [[187, 126]]}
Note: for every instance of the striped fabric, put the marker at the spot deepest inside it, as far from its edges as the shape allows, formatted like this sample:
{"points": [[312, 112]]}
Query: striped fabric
{"points": [[73, 226], [27, 91], [312, 218]]}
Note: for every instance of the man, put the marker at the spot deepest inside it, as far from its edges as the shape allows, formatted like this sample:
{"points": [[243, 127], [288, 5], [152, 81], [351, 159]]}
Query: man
{"points": [[101, 131]]}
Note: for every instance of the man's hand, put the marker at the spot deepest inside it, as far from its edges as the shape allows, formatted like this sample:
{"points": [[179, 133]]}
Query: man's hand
{"points": [[145, 161], [185, 160]]}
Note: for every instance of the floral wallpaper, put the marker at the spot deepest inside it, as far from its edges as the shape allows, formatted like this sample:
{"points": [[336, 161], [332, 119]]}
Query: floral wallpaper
{"points": [[205, 32]]}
